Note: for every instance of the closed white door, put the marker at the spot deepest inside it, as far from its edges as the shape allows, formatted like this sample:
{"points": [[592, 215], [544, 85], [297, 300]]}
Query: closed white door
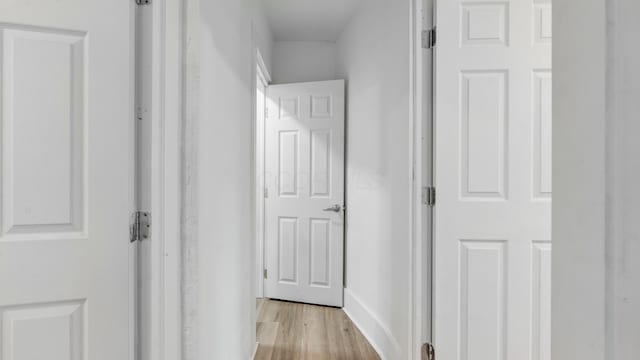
{"points": [[66, 179], [493, 180], [305, 192]]}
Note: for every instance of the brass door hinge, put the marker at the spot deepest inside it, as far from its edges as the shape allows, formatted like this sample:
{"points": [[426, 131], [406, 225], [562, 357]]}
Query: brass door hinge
{"points": [[428, 352]]}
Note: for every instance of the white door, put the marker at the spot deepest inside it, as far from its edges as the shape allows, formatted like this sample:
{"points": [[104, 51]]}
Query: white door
{"points": [[305, 184], [493, 180], [66, 179]]}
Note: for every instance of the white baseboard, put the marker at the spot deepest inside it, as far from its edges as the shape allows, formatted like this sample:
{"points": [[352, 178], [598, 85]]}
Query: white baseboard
{"points": [[376, 333]]}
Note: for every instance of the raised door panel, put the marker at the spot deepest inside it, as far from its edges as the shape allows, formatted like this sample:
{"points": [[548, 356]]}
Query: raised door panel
{"points": [[482, 300], [288, 250], [542, 22], [43, 191], [289, 108], [289, 163], [321, 163], [46, 331], [320, 252], [485, 23], [484, 134], [321, 106], [542, 153], [541, 301]]}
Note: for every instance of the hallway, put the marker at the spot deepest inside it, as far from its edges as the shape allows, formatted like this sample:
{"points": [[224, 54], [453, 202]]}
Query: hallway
{"points": [[300, 331]]}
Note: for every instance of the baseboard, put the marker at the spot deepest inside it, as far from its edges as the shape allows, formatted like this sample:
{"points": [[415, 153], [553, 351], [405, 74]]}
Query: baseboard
{"points": [[255, 351], [376, 333]]}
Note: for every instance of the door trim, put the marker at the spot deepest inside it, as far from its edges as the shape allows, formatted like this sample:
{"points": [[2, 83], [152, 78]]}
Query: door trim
{"points": [[421, 97], [131, 142], [166, 114], [257, 131]]}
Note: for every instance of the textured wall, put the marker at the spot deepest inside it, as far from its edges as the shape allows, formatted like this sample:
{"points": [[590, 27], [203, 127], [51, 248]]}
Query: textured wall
{"points": [[189, 181], [596, 205], [218, 276]]}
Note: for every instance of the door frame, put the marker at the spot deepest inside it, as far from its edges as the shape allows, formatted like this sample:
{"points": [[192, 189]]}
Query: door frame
{"points": [[131, 143], [167, 114], [165, 57], [422, 165], [258, 167]]}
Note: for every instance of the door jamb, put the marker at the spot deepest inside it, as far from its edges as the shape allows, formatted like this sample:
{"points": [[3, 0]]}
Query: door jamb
{"points": [[166, 114], [131, 142], [422, 135], [261, 73]]}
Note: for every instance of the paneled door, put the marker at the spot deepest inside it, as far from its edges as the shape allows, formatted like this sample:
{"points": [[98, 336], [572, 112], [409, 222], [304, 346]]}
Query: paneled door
{"points": [[66, 179], [493, 179], [304, 178]]}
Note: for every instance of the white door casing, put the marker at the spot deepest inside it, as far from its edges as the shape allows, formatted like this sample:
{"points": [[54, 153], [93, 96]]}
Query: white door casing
{"points": [[66, 179], [304, 176], [261, 107], [493, 178]]}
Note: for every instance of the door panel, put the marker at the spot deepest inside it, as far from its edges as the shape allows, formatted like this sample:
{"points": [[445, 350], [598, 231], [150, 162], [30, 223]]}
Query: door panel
{"points": [[492, 220], [320, 255], [305, 175], [65, 179]]}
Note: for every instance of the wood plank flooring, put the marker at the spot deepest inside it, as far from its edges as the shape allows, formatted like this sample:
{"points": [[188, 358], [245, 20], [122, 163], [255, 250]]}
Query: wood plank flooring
{"points": [[292, 331]]}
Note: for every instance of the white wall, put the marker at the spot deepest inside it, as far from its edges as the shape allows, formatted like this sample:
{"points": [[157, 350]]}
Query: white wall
{"points": [[218, 283], [596, 210], [300, 61], [578, 285], [623, 161], [374, 57], [262, 35]]}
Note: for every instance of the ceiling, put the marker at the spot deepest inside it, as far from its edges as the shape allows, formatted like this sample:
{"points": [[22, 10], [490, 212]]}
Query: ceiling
{"points": [[309, 20]]}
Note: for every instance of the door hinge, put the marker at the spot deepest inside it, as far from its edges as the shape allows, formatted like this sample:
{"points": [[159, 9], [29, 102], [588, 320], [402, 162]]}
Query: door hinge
{"points": [[266, 193], [139, 113], [265, 273], [428, 352], [140, 226], [429, 195], [143, 2], [429, 38]]}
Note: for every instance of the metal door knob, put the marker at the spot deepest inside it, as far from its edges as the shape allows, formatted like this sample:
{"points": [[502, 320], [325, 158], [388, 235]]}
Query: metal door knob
{"points": [[334, 208]]}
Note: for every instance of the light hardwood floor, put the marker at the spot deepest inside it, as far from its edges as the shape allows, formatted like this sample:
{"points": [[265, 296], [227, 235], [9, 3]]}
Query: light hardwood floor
{"points": [[292, 331]]}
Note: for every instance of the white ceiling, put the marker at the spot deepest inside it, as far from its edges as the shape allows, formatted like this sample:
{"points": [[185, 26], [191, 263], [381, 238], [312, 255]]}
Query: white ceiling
{"points": [[309, 20]]}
